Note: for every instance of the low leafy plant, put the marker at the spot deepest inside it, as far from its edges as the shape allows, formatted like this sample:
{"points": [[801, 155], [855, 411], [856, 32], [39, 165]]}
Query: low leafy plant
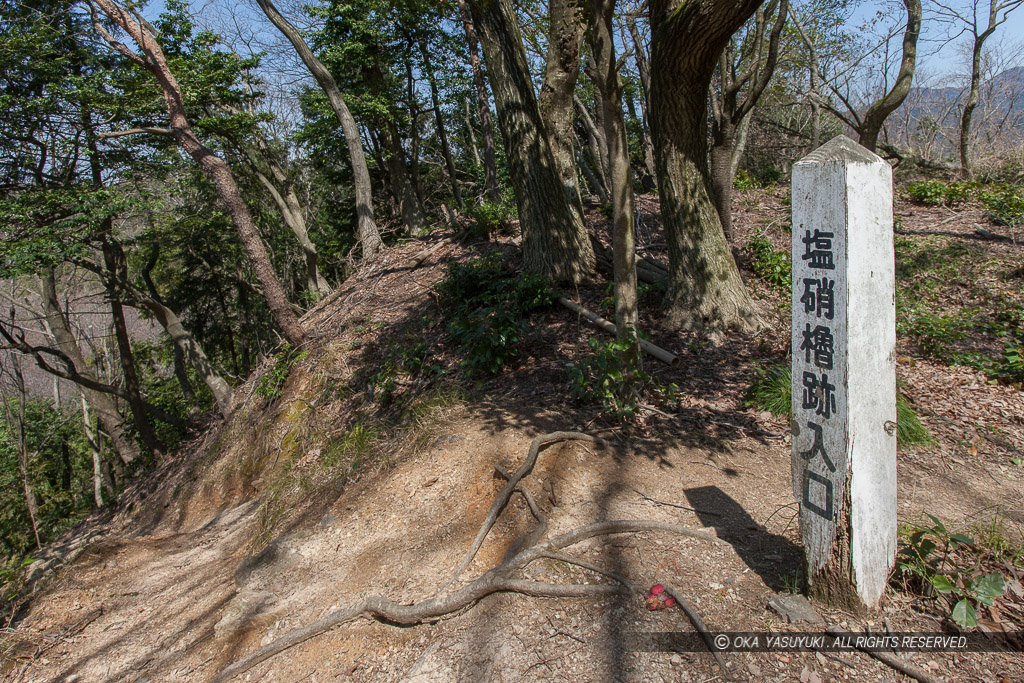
{"points": [[935, 333], [1010, 368], [613, 376], [486, 305], [948, 566], [770, 175], [490, 218], [938, 193], [745, 181], [1004, 204], [773, 265], [272, 383]]}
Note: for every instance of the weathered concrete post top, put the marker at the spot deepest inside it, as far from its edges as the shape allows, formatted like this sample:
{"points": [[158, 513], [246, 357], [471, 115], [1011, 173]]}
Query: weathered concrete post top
{"points": [[844, 372]]}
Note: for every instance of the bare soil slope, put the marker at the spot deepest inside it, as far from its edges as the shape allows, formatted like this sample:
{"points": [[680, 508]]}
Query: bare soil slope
{"points": [[312, 501]]}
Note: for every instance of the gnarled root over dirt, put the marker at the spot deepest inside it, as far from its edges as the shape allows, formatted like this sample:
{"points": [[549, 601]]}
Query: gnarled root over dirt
{"points": [[498, 579]]}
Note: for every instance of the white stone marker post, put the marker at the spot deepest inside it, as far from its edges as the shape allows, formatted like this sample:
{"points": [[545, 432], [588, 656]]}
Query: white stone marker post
{"points": [[844, 372]]}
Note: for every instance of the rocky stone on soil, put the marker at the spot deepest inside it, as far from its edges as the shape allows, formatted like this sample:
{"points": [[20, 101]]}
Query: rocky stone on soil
{"points": [[795, 609]]}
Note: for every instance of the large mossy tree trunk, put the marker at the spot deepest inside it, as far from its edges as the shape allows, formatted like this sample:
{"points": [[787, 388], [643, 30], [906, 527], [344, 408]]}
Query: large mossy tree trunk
{"points": [[555, 102], [705, 291], [555, 241]]}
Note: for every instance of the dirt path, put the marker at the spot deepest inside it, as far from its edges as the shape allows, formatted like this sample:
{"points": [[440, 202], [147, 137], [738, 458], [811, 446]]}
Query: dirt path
{"points": [[179, 607]]}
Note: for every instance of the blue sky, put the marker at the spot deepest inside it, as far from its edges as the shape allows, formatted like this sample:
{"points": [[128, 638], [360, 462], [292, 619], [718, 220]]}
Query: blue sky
{"points": [[937, 62]]}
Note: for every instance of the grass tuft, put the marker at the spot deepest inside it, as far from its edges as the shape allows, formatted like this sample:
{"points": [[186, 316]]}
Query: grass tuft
{"points": [[772, 391]]}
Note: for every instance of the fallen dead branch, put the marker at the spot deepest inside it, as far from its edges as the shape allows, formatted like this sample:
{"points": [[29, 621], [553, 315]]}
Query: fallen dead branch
{"points": [[891, 660], [666, 357], [417, 260], [498, 579]]}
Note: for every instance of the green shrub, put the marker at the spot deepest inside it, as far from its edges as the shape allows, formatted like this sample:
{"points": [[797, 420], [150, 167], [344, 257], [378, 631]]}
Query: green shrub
{"points": [[613, 376], [938, 193], [772, 265], [934, 332], [486, 305], [770, 175], [490, 218], [771, 390], [272, 383], [1004, 204], [1011, 368]]}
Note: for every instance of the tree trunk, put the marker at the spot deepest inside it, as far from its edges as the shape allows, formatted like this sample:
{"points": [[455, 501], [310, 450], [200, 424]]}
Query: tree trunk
{"points": [[414, 133], [588, 173], [875, 116], [555, 101], [100, 474], [17, 424], [555, 242], [472, 136], [215, 168], [369, 236], [439, 122], [705, 290], [723, 142], [244, 345], [291, 211], [483, 105], [114, 263], [643, 68], [814, 75], [743, 75], [647, 177], [189, 347], [110, 419], [742, 133], [405, 195], [623, 235], [596, 141], [974, 94]]}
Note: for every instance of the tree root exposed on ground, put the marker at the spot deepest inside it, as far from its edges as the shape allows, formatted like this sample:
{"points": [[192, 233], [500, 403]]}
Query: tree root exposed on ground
{"points": [[699, 625], [498, 579]]}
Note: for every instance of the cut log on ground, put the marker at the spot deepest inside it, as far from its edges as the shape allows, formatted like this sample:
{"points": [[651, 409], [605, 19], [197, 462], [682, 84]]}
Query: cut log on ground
{"points": [[666, 357]]}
